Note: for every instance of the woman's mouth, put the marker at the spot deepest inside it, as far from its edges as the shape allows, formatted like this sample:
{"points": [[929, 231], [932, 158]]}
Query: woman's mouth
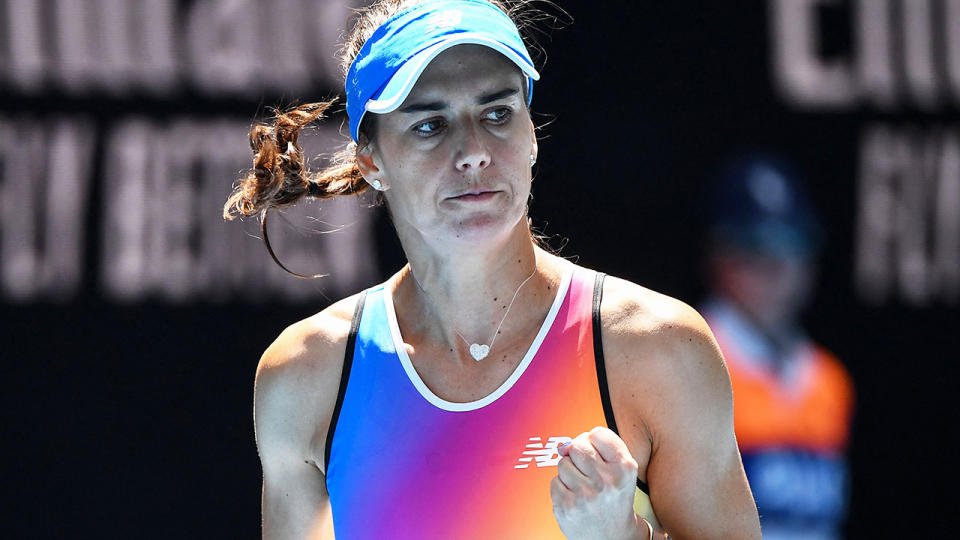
{"points": [[475, 196]]}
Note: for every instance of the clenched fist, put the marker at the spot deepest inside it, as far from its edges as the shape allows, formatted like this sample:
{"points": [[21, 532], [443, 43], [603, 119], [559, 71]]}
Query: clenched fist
{"points": [[594, 489]]}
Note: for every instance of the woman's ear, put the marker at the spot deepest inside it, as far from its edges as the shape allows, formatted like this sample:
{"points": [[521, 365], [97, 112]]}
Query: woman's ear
{"points": [[365, 159], [367, 163]]}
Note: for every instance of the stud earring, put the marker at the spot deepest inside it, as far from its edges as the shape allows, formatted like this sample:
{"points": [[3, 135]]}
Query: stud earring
{"points": [[533, 160], [377, 185]]}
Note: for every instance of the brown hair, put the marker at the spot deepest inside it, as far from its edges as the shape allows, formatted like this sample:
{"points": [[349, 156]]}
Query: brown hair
{"points": [[280, 176]]}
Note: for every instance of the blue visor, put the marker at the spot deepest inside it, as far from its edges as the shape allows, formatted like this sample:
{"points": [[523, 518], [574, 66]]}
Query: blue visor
{"points": [[392, 59]]}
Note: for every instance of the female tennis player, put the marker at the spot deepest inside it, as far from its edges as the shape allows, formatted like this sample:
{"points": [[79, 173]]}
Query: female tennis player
{"points": [[488, 389]]}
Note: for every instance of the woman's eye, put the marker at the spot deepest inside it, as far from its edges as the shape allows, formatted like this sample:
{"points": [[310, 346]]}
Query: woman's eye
{"points": [[499, 116], [430, 127]]}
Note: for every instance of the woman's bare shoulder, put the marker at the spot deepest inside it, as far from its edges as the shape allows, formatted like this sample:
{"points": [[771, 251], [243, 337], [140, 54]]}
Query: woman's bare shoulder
{"points": [[661, 344], [296, 384], [312, 345], [631, 310]]}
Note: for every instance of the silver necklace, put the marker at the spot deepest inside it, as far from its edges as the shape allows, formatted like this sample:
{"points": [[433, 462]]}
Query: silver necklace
{"points": [[479, 351]]}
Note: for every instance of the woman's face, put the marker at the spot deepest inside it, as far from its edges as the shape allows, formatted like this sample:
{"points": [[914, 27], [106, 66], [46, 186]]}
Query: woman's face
{"points": [[456, 155]]}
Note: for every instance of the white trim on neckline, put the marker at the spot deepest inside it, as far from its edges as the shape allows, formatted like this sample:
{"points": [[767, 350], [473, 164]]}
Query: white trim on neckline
{"points": [[453, 406]]}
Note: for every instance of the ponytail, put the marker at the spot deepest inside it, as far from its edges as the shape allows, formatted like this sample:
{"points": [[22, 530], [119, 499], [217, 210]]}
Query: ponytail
{"points": [[280, 176]]}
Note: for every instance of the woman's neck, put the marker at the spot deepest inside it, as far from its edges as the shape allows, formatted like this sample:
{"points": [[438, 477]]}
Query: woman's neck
{"points": [[470, 292]]}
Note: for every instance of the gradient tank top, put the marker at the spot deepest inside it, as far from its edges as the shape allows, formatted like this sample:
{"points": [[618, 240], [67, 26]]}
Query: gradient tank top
{"points": [[403, 463]]}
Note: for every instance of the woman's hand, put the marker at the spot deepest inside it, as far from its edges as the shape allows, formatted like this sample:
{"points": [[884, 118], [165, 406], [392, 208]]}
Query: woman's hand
{"points": [[594, 488]]}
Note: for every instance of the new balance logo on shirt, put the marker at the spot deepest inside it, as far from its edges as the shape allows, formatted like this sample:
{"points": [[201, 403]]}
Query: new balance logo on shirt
{"points": [[544, 455]]}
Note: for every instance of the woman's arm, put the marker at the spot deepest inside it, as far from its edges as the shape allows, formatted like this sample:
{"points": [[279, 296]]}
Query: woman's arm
{"points": [[294, 501], [673, 403], [294, 395]]}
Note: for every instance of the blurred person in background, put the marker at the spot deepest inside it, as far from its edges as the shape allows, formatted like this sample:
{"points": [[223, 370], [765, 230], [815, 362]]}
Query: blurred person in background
{"points": [[793, 399]]}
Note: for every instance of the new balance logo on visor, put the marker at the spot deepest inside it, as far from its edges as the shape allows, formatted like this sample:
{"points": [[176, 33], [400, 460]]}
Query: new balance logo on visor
{"points": [[443, 20], [544, 455]]}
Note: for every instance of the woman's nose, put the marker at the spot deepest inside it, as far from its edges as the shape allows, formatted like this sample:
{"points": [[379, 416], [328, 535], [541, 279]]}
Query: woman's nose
{"points": [[473, 153]]}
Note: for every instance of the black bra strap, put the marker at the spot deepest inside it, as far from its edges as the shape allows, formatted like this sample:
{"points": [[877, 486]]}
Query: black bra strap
{"points": [[344, 376], [601, 366]]}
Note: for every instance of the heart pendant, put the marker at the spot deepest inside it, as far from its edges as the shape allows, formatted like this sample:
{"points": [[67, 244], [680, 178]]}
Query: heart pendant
{"points": [[479, 352]]}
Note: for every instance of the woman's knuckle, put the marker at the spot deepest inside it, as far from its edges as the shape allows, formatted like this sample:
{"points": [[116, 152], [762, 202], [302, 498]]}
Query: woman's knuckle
{"points": [[604, 435], [576, 452], [555, 487]]}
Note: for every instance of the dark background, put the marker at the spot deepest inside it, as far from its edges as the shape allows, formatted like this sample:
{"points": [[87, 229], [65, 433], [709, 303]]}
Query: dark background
{"points": [[134, 419]]}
